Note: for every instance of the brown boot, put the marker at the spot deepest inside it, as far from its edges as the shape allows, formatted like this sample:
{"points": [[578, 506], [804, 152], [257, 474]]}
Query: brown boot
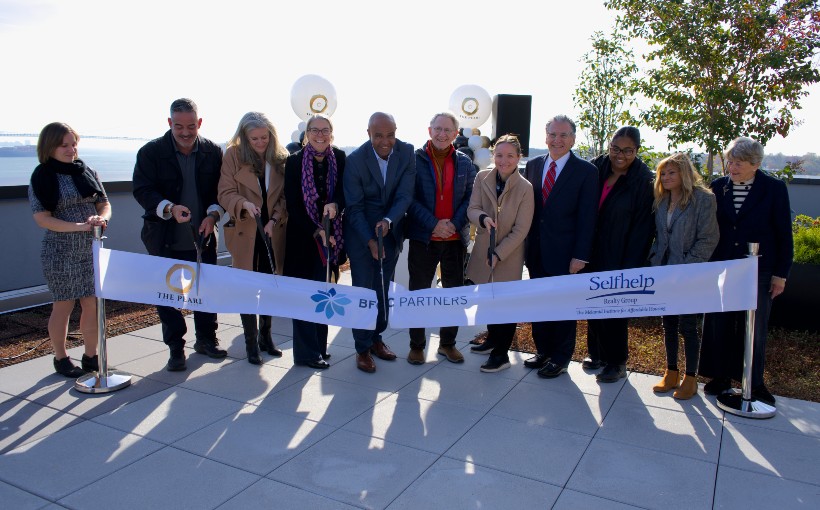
{"points": [[452, 354], [416, 356], [669, 381], [688, 388]]}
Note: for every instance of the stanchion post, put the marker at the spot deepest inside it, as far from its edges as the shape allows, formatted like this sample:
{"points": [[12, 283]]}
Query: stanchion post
{"points": [[104, 381], [741, 403]]}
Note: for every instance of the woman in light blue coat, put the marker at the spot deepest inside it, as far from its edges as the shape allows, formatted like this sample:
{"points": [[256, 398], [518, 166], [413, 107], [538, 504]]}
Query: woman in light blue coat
{"points": [[687, 232]]}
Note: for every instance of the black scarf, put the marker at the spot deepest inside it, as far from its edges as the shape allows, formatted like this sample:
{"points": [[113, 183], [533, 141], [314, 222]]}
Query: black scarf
{"points": [[44, 181]]}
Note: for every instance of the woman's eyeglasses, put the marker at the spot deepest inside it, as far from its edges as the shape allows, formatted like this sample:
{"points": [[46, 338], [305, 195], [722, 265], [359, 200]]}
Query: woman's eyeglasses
{"points": [[317, 131], [615, 150]]}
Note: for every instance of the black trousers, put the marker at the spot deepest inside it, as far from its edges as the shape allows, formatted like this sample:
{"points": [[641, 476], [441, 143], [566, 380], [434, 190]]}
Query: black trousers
{"points": [[310, 338], [173, 322], [500, 337], [608, 339], [555, 339], [688, 327], [724, 335], [422, 259]]}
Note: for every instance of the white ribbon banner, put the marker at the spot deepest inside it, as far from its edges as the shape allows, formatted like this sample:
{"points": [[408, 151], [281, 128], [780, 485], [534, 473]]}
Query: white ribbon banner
{"points": [[640, 292], [153, 280]]}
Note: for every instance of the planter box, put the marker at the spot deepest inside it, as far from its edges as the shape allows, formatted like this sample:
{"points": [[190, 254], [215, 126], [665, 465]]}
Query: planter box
{"points": [[799, 306]]}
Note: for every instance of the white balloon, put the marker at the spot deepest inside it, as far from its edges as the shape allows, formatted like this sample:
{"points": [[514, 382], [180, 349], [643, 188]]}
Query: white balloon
{"points": [[312, 94], [471, 104], [294, 137], [474, 142], [482, 157], [467, 132], [302, 126]]}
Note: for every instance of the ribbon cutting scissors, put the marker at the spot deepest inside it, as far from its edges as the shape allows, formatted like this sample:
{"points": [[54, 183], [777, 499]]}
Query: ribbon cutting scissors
{"points": [[198, 246]]}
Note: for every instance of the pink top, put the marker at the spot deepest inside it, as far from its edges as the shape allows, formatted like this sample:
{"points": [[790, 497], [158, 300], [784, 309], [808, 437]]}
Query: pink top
{"points": [[604, 193]]}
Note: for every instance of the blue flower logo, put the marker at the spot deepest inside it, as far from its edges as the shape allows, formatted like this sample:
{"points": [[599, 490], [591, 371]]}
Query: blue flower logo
{"points": [[330, 303]]}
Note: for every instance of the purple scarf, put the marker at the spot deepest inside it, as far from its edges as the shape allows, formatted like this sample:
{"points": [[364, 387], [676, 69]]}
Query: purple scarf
{"points": [[311, 195]]}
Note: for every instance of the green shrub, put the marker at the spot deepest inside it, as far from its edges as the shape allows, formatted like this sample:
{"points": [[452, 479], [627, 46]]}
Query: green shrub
{"points": [[806, 239]]}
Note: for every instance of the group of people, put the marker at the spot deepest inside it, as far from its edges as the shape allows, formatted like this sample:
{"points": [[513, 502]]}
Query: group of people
{"points": [[304, 214]]}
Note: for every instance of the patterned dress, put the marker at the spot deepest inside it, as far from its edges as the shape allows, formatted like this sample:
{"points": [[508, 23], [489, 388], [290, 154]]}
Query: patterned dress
{"points": [[68, 264]]}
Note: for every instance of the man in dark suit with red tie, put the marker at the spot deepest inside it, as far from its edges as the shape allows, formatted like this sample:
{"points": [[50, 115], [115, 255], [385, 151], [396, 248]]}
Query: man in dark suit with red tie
{"points": [[560, 238]]}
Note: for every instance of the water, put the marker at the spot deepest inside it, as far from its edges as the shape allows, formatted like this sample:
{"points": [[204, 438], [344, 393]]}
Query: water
{"points": [[112, 159]]}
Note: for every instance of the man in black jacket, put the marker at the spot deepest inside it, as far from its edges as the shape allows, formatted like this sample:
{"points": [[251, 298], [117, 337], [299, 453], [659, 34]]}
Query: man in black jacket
{"points": [[175, 180]]}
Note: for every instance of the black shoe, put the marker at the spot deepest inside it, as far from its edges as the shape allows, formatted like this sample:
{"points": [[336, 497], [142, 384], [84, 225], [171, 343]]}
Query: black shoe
{"points": [[318, 364], [176, 363], [717, 386], [485, 348], [611, 373], [495, 364], [91, 364], [762, 394], [209, 349], [551, 370], [591, 364], [253, 355], [537, 361], [266, 345], [67, 368], [325, 356]]}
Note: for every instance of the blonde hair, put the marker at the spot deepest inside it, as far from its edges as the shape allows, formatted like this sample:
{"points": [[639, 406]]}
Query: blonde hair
{"points": [[510, 139], [275, 154], [311, 120], [689, 176]]}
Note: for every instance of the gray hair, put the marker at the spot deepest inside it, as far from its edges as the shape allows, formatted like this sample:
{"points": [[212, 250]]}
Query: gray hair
{"points": [[562, 118], [449, 115], [745, 149], [183, 105]]}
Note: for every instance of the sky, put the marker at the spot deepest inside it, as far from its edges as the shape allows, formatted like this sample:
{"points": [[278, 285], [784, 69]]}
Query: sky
{"points": [[112, 68]]}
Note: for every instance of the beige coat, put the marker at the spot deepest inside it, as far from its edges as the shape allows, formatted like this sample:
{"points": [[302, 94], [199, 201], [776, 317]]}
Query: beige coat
{"points": [[512, 213], [237, 184]]}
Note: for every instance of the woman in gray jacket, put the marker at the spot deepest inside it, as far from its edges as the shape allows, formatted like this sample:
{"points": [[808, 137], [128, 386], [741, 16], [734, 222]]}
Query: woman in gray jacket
{"points": [[687, 232]]}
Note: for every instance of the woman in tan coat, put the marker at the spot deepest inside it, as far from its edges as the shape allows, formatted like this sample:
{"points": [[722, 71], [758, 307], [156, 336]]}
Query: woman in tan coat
{"points": [[501, 199], [250, 186]]}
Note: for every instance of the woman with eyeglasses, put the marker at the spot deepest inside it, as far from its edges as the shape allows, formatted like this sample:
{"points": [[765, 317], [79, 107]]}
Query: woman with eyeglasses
{"points": [[250, 188], [313, 191], [623, 235]]}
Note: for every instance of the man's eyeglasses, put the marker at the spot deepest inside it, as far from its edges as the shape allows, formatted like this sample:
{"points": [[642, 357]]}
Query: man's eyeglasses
{"points": [[317, 131], [446, 131], [615, 150]]}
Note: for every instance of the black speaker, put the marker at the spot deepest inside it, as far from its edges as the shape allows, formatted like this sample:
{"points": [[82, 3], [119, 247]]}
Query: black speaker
{"points": [[512, 114]]}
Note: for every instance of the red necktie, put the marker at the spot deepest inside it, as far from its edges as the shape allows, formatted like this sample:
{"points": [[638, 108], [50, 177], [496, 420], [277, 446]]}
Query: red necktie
{"points": [[548, 183]]}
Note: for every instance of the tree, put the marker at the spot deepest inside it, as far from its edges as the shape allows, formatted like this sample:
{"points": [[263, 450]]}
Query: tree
{"points": [[723, 69], [605, 88]]}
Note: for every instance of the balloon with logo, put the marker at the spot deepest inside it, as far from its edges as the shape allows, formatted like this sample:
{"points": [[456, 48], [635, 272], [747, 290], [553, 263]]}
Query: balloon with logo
{"points": [[472, 106], [312, 94]]}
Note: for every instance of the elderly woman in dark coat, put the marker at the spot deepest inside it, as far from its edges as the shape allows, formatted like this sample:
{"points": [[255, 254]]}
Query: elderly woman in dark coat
{"points": [[686, 233], [752, 207], [623, 235]]}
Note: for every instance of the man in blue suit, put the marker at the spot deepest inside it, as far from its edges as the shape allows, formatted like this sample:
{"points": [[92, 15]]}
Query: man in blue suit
{"points": [[378, 185], [560, 238], [437, 224]]}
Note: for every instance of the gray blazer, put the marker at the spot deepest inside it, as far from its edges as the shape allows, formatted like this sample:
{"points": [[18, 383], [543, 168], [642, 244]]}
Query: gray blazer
{"points": [[691, 235]]}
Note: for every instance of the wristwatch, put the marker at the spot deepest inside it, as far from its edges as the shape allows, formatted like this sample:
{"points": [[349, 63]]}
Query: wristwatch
{"points": [[389, 223]]}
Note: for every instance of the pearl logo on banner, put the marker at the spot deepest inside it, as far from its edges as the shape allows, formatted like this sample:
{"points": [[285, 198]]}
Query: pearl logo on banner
{"points": [[177, 274]]}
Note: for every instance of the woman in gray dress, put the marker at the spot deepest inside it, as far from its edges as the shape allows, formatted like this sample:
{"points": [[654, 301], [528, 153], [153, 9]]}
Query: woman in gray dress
{"points": [[68, 199]]}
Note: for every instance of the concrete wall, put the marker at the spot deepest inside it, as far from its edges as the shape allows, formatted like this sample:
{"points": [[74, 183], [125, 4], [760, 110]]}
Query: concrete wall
{"points": [[21, 237], [804, 195]]}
